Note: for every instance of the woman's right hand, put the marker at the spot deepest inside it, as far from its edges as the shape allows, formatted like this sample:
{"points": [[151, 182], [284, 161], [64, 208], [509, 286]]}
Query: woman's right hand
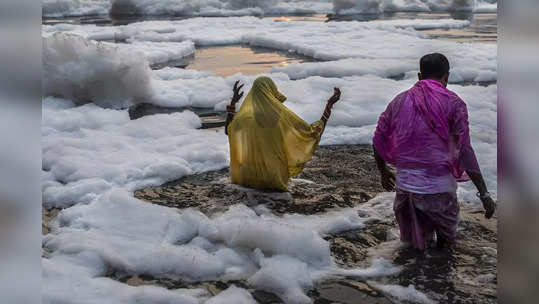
{"points": [[238, 94], [336, 96]]}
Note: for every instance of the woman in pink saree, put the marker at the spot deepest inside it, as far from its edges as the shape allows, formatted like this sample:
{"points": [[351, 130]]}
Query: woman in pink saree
{"points": [[424, 133]]}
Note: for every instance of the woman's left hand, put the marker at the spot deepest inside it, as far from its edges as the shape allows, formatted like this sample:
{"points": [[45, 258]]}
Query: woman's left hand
{"points": [[336, 96]]}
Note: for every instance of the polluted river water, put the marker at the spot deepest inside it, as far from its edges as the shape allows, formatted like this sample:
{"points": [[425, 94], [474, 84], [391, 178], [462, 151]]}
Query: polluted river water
{"points": [[228, 60]]}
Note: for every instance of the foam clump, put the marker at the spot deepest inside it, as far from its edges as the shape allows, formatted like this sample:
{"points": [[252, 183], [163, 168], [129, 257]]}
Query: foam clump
{"points": [[87, 71], [89, 149], [134, 237], [380, 6], [403, 294], [234, 295], [161, 52]]}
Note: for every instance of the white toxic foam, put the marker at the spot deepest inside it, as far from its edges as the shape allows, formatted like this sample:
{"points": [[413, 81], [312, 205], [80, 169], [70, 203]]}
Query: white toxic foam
{"points": [[72, 8], [380, 6], [118, 233], [88, 71]]}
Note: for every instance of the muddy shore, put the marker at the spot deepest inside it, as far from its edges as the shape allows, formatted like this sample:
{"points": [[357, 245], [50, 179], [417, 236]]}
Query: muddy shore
{"points": [[343, 177]]}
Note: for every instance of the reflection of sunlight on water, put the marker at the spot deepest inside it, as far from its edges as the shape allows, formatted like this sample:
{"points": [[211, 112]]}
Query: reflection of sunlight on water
{"points": [[313, 17], [229, 60]]}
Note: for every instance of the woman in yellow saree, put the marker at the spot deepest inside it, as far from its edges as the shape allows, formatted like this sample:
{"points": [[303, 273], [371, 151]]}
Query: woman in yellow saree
{"points": [[269, 143]]}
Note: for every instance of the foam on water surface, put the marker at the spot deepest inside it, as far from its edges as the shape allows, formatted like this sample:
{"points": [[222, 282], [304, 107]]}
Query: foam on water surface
{"points": [[352, 48], [60, 8], [117, 232], [94, 155], [90, 149]]}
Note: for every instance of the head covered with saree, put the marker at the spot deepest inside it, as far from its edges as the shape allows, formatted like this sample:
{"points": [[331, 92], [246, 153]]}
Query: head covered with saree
{"points": [[268, 142]]}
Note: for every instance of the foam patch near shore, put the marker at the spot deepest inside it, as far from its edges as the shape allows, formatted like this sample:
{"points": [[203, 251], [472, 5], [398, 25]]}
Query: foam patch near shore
{"points": [[118, 232], [88, 71], [88, 149]]}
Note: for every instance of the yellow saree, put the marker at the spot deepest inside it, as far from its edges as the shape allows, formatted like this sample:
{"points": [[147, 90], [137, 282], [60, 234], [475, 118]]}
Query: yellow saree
{"points": [[268, 142]]}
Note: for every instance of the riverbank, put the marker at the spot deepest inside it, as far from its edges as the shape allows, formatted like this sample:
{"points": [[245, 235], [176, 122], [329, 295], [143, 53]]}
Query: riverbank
{"points": [[346, 177]]}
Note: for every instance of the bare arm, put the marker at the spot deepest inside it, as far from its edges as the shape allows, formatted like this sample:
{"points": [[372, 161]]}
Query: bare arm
{"points": [[467, 160], [229, 117], [388, 178], [329, 105], [231, 109], [479, 182]]}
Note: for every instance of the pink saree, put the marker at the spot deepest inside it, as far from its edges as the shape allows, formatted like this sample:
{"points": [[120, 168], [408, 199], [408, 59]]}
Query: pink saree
{"points": [[426, 129]]}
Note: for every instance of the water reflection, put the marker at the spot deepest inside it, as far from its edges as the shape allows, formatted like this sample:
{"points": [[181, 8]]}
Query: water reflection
{"points": [[229, 60]]}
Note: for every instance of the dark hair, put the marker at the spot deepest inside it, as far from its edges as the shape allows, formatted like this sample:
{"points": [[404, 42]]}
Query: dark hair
{"points": [[434, 66]]}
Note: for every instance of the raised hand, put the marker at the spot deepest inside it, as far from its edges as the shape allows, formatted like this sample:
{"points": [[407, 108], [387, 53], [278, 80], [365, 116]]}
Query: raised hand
{"points": [[238, 94], [336, 96]]}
